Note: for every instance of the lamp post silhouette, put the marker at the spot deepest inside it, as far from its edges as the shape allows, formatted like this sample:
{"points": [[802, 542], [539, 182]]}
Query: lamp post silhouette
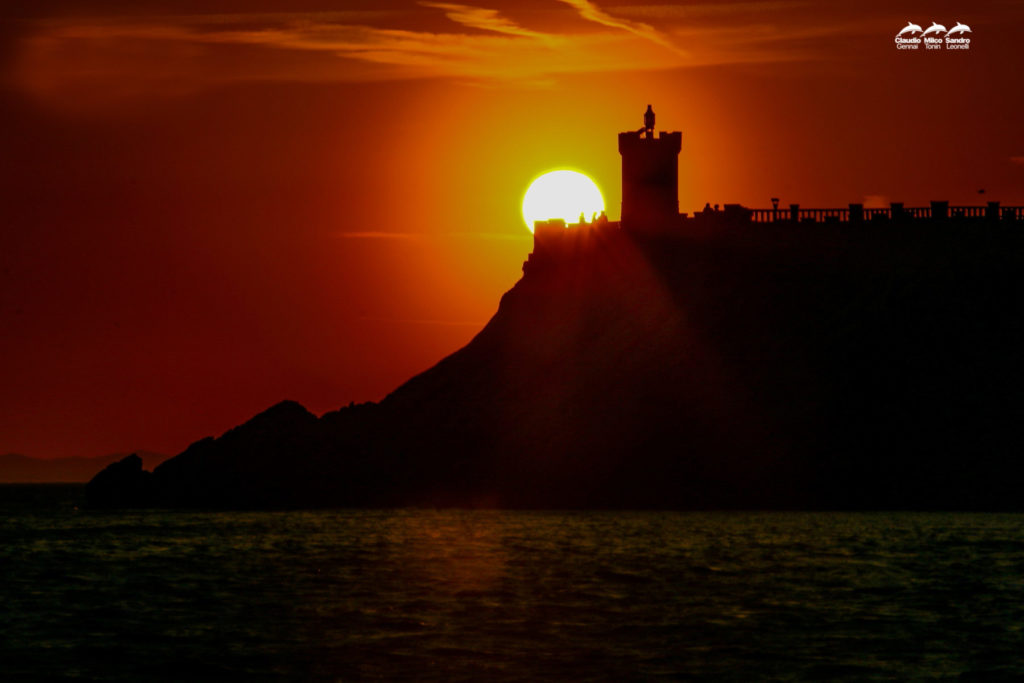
{"points": [[775, 208]]}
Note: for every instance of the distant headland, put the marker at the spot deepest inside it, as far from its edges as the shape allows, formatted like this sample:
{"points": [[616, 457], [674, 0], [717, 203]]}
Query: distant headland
{"points": [[780, 358], [21, 469]]}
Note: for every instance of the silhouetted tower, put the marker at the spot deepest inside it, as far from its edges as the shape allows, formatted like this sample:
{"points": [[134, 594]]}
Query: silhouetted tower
{"points": [[650, 176]]}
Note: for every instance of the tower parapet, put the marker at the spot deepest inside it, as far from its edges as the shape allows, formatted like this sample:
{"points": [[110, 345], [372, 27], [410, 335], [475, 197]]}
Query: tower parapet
{"points": [[650, 176]]}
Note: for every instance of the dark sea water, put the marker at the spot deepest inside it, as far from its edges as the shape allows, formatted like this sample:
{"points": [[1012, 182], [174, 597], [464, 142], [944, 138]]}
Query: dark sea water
{"points": [[453, 595]]}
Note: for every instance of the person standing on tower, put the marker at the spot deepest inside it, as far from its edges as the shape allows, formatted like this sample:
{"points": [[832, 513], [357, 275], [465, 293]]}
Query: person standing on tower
{"points": [[649, 121]]}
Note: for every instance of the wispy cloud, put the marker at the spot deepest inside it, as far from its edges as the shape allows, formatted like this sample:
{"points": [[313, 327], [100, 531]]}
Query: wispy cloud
{"points": [[78, 60], [512, 237], [90, 59], [379, 235], [700, 11], [482, 18], [416, 236], [588, 10], [422, 321], [1017, 160]]}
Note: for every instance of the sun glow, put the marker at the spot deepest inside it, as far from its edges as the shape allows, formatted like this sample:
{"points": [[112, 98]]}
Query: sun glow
{"points": [[561, 194]]}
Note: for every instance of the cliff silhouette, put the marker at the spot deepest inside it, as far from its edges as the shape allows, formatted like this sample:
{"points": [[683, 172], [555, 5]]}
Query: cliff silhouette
{"points": [[710, 361], [819, 367]]}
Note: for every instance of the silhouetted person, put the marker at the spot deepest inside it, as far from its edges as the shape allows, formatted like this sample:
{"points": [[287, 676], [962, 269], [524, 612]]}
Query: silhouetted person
{"points": [[649, 121]]}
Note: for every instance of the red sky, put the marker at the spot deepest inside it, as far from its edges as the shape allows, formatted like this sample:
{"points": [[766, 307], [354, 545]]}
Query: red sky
{"points": [[208, 207]]}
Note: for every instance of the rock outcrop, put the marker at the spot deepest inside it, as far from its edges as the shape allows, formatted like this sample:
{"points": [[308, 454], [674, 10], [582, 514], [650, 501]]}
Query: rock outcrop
{"points": [[826, 366], [121, 484]]}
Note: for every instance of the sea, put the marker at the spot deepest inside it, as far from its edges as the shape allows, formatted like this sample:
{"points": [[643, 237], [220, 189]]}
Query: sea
{"points": [[413, 594]]}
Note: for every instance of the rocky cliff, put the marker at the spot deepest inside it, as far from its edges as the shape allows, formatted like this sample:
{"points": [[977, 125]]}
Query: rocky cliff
{"points": [[824, 366]]}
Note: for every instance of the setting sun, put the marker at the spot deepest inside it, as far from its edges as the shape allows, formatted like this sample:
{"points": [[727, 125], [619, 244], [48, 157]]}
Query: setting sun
{"points": [[561, 194]]}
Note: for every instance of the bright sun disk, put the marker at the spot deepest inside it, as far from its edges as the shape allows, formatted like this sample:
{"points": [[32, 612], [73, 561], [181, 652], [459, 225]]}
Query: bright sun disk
{"points": [[561, 194]]}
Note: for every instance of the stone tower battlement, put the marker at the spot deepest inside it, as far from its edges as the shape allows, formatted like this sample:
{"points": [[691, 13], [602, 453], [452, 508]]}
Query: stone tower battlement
{"points": [[650, 176]]}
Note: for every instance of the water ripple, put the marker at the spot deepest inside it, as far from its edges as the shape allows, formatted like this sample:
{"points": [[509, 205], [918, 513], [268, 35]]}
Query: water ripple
{"points": [[408, 595]]}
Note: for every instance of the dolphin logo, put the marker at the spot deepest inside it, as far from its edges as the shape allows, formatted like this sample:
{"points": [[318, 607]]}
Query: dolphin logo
{"points": [[959, 28], [910, 28], [934, 28]]}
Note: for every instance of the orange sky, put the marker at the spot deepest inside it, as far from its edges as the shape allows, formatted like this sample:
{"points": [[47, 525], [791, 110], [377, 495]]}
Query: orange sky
{"points": [[209, 207]]}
